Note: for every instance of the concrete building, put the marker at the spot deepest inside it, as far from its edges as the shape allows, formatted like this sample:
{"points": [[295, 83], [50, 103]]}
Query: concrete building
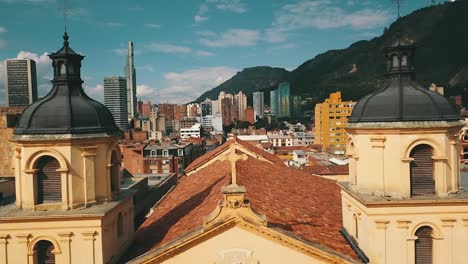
{"points": [[115, 99], [130, 74], [20, 82], [258, 104], [331, 118], [284, 100], [146, 108], [69, 207], [212, 122], [274, 102]]}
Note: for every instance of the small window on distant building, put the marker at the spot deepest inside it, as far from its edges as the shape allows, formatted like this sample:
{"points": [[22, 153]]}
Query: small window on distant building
{"points": [[153, 153], [404, 61], [181, 152], [395, 61], [165, 153]]}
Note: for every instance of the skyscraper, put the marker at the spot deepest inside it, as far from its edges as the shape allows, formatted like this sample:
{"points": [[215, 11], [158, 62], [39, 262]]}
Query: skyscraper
{"points": [[115, 98], [20, 82], [258, 104], [274, 102], [242, 104], [131, 83], [296, 106], [283, 100]]}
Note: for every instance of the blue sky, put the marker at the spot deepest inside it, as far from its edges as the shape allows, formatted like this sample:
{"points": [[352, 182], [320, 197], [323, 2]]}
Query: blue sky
{"points": [[185, 47]]}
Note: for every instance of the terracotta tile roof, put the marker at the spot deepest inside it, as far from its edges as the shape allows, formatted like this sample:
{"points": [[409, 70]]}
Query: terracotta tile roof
{"points": [[318, 169], [304, 205], [209, 155]]}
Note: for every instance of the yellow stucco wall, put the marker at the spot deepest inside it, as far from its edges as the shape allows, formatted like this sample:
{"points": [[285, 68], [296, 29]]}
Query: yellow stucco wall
{"points": [[76, 240], [387, 233], [380, 162], [241, 244]]}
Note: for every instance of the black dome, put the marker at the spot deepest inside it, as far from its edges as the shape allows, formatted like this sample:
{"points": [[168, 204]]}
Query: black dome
{"points": [[402, 98], [66, 109]]}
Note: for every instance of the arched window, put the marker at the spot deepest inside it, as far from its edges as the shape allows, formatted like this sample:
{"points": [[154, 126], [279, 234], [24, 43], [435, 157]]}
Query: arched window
{"points": [[49, 181], [422, 170], [395, 63], [404, 60], [120, 228], [44, 253], [165, 153], [423, 245], [115, 172], [153, 153]]}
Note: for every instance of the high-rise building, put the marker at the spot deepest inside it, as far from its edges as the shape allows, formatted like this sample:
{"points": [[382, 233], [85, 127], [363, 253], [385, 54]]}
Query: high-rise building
{"points": [[140, 107], [249, 115], [206, 107], [146, 108], [130, 74], [274, 102], [296, 106], [283, 100], [258, 104], [115, 98], [241, 99], [331, 118], [20, 82]]}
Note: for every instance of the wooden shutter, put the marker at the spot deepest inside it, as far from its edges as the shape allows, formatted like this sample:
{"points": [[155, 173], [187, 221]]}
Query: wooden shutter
{"points": [[422, 171], [44, 252], [49, 180], [423, 245]]}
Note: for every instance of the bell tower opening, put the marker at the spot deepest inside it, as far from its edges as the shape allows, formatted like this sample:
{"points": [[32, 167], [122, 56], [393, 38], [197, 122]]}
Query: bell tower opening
{"points": [[423, 246], [44, 255], [49, 182], [422, 170]]}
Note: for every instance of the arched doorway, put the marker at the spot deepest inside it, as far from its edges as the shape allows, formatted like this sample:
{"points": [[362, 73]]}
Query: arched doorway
{"points": [[49, 181], [423, 245], [44, 255], [115, 172], [422, 170]]}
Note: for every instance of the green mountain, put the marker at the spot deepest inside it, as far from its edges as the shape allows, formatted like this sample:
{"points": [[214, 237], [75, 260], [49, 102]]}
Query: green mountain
{"points": [[441, 57]]}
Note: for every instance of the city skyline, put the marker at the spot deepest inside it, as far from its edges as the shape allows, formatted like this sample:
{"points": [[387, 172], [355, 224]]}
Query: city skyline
{"points": [[179, 59]]}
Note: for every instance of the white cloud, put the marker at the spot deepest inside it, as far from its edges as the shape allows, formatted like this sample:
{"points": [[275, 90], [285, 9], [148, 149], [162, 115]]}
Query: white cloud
{"points": [[146, 67], [324, 14], [113, 24], [168, 48], [199, 18], [235, 6], [96, 92], [186, 86], [204, 53], [232, 37], [150, 25], [76, 12], [120, 51], [3, 30]]}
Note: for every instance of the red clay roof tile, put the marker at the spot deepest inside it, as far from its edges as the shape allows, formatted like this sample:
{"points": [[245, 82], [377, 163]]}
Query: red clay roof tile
{"points": [[305, 205]]}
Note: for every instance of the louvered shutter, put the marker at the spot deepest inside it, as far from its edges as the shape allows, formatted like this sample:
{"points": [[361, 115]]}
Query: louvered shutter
{"points": [[49, 181], [423, 245], [44, 253], [422, 171]]}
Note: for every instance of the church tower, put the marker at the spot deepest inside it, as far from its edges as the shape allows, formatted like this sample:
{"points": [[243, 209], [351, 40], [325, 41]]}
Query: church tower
{"points": [[69, 207], [402, 203]]}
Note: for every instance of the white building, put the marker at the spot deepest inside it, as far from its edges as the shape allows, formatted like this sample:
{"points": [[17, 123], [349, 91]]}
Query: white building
{"points": [[194, 131]]}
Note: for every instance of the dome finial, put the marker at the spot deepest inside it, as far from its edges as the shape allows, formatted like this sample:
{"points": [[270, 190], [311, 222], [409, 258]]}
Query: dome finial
{"points": [[65, 39]]}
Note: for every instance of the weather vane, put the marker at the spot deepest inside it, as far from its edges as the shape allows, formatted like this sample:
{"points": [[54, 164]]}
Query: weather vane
{"points": [[398, 3]]}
